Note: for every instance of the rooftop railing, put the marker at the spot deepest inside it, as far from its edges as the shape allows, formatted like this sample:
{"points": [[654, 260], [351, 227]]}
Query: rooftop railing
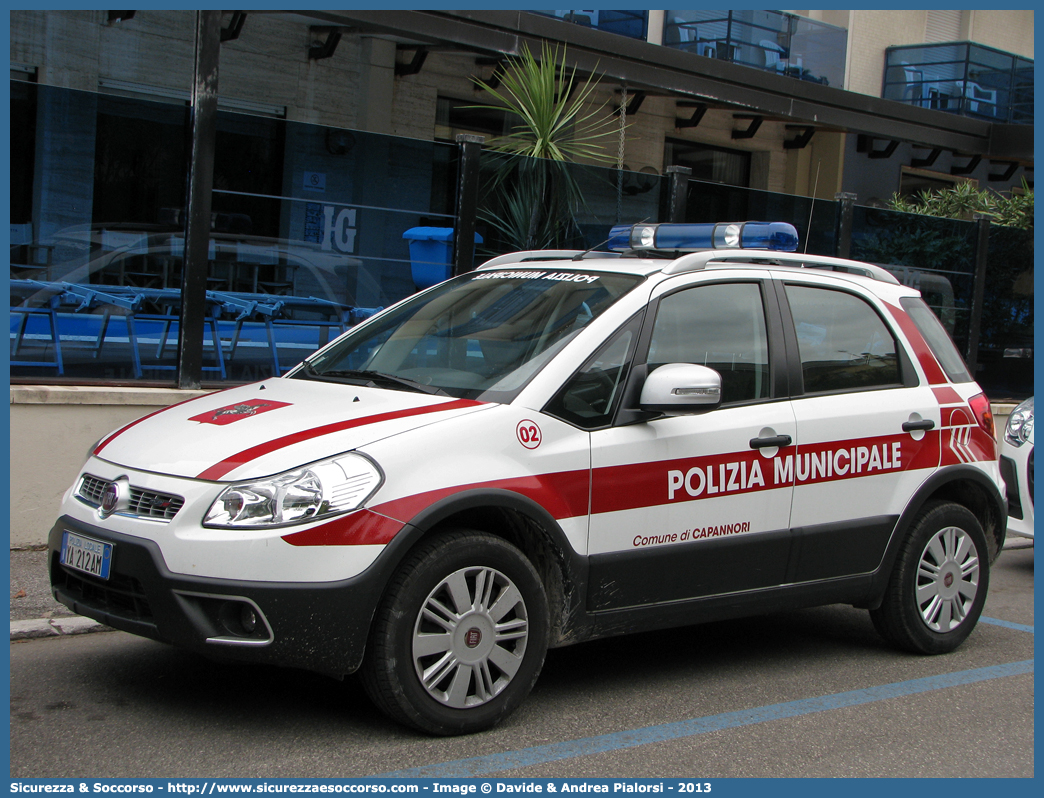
{"points": [[773, 41], [961, 78]]}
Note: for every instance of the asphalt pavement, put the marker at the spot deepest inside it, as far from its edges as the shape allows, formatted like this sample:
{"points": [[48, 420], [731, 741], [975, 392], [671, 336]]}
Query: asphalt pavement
{"points": [[812, 693]]}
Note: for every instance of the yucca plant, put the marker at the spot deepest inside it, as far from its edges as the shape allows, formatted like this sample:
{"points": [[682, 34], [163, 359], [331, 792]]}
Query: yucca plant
{"points": [[964, 200], [550, 99], [537, 195]]}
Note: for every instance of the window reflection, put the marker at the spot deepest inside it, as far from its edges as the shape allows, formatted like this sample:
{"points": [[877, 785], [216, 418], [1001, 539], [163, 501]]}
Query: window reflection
{"points": [[307, 235]]}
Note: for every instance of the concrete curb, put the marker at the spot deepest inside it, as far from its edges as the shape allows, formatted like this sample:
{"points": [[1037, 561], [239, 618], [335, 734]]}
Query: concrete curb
{"points": [[55, 627]]}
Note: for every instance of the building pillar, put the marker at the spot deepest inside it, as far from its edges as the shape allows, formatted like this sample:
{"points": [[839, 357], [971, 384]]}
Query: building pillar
{"points": [[203, 130], [982, 240], [376, 85], [470, 151], [677, 187], [845, 211], [656, 23]]}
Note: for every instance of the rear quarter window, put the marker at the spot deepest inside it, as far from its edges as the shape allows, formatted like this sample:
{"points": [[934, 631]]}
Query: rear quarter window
{"points": [[937, 338]]}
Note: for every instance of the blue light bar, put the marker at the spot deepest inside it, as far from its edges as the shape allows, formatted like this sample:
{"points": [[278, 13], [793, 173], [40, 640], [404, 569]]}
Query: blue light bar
{"points": [[775, 236]]}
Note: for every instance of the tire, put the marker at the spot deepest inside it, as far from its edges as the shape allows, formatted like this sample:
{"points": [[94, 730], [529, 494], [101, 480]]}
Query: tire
{"points": [[939, 583], [460, 637]]}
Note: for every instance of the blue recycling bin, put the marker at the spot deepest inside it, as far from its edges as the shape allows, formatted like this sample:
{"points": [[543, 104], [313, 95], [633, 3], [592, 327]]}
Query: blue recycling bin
{"points": [[431, 254]]}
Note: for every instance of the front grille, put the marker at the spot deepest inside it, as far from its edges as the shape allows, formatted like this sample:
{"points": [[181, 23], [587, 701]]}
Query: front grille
{"points": [[92, 488], [143, 503], [121, 596], [150, 504]]}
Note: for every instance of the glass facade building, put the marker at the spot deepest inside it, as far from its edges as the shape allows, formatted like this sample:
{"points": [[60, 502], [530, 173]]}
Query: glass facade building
{"points": [[307, 234]]}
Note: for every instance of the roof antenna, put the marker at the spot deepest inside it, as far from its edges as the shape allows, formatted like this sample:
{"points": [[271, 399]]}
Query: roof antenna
{"points": [[582, 255], [812, 207]]}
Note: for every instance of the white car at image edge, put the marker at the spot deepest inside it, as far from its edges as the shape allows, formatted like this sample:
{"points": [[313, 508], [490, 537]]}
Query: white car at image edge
{"points": [[1017, 469]]}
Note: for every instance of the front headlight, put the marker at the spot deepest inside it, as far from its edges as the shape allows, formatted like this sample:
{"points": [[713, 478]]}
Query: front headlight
{"points": [[1019, 428], [310, 493]]}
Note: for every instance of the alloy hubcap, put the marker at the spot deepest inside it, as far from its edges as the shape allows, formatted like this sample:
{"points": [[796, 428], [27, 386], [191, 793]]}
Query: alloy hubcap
{"points": [[947, 579], [470, 637]]}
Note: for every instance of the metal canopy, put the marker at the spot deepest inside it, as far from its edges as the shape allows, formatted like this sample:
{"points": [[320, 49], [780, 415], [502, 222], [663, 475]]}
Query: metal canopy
{"points": [[664, 71]]}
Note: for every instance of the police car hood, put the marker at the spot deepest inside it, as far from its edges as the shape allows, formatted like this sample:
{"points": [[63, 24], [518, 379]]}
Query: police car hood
{"points": [[269, 427]]}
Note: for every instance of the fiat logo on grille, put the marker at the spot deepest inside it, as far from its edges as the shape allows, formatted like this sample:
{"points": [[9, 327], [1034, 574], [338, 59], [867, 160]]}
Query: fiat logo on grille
{"points": [[472, 638], [110, 498]]}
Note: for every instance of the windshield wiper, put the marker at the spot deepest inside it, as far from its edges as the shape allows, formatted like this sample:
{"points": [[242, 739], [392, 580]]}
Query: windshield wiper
{"points": [[370, 378]]}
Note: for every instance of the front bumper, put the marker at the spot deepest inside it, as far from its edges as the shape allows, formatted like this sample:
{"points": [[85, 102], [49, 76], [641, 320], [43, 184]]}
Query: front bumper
{"points": [[1017, 471], [316, 626]]}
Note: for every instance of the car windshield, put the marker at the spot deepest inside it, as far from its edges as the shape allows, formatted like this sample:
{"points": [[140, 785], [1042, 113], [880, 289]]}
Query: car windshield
{"points": [[482, 335]]}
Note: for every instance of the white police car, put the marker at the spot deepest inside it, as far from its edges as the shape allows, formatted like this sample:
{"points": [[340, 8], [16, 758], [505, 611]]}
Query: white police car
{"points": [[556, 447]]}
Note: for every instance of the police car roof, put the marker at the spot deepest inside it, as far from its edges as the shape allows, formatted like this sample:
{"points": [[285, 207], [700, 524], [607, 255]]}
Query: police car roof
{"points": [[571, 259], [688, 262]]}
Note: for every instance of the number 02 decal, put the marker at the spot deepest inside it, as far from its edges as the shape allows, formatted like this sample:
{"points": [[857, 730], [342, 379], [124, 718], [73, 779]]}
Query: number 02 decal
{"points": [[528, 433]]}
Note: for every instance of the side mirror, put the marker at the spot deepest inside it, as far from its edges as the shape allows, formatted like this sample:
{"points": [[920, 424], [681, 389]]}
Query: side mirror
{"points": [[678, 388]]}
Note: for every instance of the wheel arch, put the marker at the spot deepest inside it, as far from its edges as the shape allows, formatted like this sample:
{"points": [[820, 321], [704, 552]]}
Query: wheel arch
{"points": [[534, 531], [964, 485]]}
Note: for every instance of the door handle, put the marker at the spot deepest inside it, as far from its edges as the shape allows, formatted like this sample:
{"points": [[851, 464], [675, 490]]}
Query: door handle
{"points": [[923, 424], [775, 440]]}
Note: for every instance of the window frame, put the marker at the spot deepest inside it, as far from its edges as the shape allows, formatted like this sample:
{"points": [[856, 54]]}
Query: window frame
{"points": [[629, 412], [908, 377], [634, 325]]}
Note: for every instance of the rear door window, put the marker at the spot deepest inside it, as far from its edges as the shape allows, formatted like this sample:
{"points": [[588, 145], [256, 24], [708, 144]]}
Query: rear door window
{"points": [[843, 342]]}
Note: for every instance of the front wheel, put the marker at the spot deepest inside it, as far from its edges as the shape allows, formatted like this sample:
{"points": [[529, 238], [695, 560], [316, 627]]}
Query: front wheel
{"points": [[939, 583], [460, 637]]}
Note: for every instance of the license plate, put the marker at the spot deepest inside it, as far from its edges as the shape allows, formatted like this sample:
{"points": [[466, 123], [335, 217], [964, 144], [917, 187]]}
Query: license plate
{"points": [[86, 554]]}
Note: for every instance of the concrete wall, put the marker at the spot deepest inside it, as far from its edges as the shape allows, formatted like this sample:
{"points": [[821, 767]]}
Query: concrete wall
{"points": [[871, 32], [52, 428], [1009, 30]]}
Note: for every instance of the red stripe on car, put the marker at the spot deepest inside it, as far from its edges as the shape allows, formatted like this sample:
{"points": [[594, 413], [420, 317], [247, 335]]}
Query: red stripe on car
{"points": [[219, 470], [122, 430], [947, 396], [932, 370], [361, 528], [634, 486], [563, 494], [572, 494]]}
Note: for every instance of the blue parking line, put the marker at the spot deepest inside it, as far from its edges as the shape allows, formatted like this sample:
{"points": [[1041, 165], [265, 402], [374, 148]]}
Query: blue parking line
{"points": [[538, 755], [1019, 627]]}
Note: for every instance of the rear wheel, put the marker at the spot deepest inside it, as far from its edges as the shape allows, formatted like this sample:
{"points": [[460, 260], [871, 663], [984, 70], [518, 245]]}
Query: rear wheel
{"points": [[939, 583], [460, 637]]}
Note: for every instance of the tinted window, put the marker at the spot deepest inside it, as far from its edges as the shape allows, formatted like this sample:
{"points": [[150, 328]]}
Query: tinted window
{"points": [[938, 340], [588, 399], [719, 326], [481, 336], [843, 342]]}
